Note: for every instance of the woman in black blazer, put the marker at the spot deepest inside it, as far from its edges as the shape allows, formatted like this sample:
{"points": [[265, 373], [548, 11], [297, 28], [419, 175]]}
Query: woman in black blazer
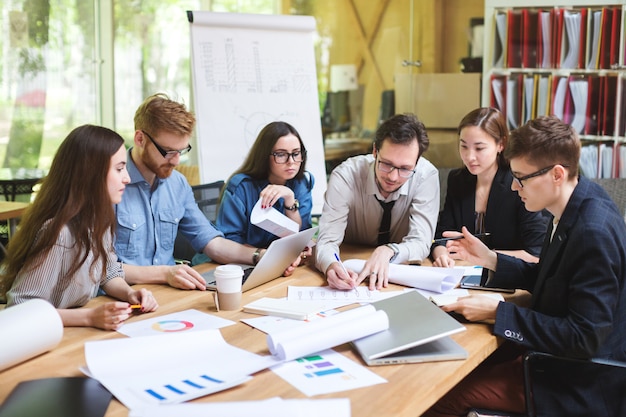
{"points": [[479, 195]]}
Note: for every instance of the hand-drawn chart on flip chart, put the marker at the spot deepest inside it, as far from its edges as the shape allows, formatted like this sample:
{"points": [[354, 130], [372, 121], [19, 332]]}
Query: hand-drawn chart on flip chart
{"points": [[249, 70]]}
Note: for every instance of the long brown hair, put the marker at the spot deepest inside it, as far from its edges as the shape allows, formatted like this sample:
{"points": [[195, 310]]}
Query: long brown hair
{"points": [[74, 193]]}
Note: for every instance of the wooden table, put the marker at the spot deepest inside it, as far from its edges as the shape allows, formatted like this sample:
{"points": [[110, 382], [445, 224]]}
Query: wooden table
{"points": [[411, 389]]}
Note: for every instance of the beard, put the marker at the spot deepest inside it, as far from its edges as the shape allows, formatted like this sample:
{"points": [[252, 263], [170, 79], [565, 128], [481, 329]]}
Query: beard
{"points": [[162, 170]]}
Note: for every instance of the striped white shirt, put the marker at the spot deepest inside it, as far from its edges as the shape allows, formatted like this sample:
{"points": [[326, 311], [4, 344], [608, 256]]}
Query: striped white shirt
{"points": [[49, 282]]}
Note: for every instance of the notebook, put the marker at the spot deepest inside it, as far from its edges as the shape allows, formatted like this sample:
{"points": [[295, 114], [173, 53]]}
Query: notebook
{"points": [[418, 331], [279, 255]]}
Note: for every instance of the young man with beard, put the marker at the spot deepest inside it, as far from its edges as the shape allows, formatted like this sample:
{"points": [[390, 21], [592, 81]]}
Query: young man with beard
{"points": [[394, 178], [159, 201]]}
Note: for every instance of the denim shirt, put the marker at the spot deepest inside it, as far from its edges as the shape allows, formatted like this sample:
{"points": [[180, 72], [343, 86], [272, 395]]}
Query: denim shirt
{"points": [[148, 220], [240, 196]]}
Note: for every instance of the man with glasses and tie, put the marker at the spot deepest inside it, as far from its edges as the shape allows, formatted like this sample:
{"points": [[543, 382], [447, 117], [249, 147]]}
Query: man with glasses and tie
{"points": [[388, 200], [158, 202], [578, 304]]}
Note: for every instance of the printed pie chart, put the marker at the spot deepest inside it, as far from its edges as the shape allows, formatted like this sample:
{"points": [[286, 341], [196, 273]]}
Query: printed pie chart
{"points": [[172, 326]]}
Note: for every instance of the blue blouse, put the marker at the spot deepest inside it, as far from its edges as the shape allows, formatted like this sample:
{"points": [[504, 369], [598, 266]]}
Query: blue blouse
{"points": [[240, 196]]}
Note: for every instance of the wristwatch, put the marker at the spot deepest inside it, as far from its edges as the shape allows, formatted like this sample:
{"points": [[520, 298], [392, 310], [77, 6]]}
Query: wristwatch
{"points": [[396, 250], [296, 205]]}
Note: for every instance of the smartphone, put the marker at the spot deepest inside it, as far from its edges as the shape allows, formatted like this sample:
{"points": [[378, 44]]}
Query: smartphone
{"points": [[477, 282]]}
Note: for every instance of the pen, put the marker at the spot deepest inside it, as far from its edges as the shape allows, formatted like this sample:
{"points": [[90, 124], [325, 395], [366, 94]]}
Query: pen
{"points": [[445, 239], [342, 266]]}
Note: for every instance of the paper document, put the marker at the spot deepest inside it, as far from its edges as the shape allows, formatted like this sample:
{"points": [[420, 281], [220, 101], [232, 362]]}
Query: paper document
{"points": [[326, 333], [325, 373], [183, 321], [423, 277], [273, 407], [298, 310], [170, 368], [453, 295], [273, 221]]}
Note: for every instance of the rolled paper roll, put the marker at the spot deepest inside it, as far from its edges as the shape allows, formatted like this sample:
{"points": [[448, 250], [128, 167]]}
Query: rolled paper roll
{"points": [[28, 329]]}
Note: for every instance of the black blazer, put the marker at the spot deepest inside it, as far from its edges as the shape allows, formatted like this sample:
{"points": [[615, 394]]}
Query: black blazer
{"points": [[512, 227], [578, 306]]}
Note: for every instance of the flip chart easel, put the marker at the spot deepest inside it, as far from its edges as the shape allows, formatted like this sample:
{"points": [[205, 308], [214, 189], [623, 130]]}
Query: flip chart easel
{"points": [[249, 70]]}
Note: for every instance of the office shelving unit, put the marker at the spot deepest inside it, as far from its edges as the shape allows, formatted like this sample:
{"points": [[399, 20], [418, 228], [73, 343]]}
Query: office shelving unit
{"points": [[565, 58]]}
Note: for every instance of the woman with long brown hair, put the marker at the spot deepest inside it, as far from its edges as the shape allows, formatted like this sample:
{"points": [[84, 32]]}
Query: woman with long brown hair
{"points": [[63, 250]]}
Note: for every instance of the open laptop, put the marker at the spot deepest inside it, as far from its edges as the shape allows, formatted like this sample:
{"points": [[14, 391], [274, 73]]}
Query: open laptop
{"points": [[418, 332], [279, 255]]}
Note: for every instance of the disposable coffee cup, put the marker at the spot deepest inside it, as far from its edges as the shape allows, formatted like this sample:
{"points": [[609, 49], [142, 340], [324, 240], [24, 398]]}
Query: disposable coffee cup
{"points": [[228, 279]]}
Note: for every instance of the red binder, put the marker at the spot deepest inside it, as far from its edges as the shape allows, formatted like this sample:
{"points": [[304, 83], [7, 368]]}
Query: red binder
{"points": [[593, 103], [609, 105], [515, 40], [557, 37], [605, 40], [615, 26], [532, 37]]}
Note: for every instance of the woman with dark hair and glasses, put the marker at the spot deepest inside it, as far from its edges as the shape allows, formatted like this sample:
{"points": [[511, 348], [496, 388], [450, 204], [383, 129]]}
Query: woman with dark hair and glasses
{"points": [[479, 195], [274, 172]]}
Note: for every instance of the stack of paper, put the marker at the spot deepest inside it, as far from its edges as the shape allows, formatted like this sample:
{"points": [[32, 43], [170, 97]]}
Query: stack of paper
{"points": [[273, 221]]}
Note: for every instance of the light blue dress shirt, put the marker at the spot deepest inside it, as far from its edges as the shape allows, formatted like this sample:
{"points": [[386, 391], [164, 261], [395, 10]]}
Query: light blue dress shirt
{"points": [[148, 220]]}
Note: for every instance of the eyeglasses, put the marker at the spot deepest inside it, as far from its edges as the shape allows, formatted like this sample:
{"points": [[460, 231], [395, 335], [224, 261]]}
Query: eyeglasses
{"points": [[388, 168], [518, 180], [283, 157], [167, 154]]}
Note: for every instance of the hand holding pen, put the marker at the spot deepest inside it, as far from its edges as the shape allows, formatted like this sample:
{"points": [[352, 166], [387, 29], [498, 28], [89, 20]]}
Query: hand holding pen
{"points": [[459, 236], [471, 249], [339, 277]]}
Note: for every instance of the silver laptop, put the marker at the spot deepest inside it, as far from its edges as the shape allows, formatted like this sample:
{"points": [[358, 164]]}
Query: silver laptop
{"points": [[418, 332], [279, 255]]}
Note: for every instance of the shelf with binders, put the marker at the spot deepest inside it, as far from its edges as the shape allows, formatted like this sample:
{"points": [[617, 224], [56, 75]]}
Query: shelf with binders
{"points": [[554, 37], [603, 159], [561, 57], [594, 103]]}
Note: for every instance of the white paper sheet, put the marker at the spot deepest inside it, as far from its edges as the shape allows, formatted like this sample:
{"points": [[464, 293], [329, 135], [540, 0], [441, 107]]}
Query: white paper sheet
{"points": [[273, 324], [182, 321], [423, 277], [329, 332], [273, 221], [326, 372], [170, 368], [28, 329], [273, 407]]}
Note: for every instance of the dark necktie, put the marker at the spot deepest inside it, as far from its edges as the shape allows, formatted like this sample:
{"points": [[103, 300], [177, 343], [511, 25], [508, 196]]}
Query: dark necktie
{"points": [[385, 222]]}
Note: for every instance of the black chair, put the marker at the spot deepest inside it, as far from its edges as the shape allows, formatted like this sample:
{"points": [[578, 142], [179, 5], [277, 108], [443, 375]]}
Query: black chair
{"points": [[206, 196], [616, 189], [555, 385]]}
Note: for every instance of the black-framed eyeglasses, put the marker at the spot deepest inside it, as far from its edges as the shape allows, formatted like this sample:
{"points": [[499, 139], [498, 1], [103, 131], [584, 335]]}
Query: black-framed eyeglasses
{"points": [[388, 168], [282, 157], [167, 154], [518, 180]]}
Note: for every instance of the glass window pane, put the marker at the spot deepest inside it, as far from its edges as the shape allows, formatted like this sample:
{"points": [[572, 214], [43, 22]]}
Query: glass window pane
{"points": [[47, 77], [152, 51]]}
